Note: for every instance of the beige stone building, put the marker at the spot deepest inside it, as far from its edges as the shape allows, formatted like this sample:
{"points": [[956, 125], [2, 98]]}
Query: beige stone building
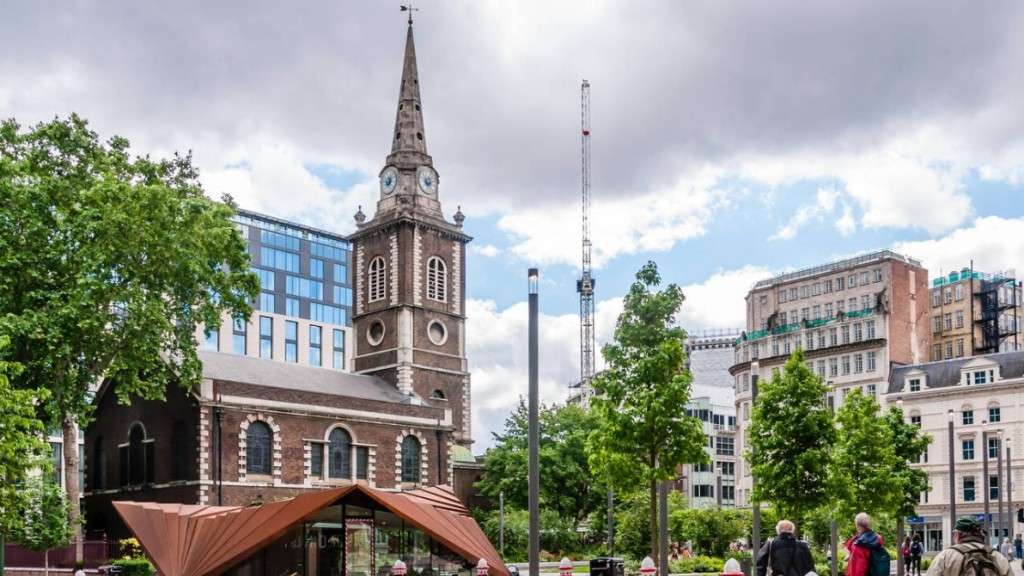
{"points": [[975, 313], [853, 318], [975, 394]]}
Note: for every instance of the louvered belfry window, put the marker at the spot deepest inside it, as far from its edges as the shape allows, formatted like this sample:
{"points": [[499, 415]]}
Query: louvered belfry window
{"points": [[375, 280], [437, 279]]}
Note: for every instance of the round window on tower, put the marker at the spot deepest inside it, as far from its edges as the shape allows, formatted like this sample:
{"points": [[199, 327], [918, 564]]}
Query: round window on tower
{"points": [[375, 333], [437, 333]]}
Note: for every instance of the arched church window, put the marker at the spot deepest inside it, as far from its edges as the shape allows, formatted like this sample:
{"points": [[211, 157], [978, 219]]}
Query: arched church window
{"points": [[258, 442], [136, 457], [340, 454], [375, 280], [437, 279], [410, 459]]}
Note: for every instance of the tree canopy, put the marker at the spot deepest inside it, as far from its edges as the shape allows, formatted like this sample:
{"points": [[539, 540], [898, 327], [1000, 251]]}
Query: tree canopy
{"points": [[642, 427], [108, 264], [790, 437]]}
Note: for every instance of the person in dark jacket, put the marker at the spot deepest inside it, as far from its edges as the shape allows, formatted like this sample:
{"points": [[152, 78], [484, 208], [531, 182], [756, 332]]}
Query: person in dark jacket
{"points": [[787, 555]]}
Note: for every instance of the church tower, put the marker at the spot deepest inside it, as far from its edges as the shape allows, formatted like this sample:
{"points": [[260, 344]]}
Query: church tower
{"points": [[410, 278]]}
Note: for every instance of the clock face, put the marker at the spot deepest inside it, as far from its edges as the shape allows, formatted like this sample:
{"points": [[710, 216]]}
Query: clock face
{"points": [[388, 180], [428, 181]]}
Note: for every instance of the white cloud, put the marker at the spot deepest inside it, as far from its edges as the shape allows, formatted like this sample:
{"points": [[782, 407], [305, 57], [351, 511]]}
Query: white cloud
{"points": [[825, 204], [846, 224], [651, 222], [995, 244], [485, 250], [496, 343]]}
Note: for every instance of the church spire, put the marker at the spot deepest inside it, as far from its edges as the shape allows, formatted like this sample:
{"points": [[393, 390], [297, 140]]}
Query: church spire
{"points": [[409, 142]]}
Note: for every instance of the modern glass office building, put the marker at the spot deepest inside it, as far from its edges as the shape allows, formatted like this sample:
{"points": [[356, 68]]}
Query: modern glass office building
{"points": [[303, 312]]}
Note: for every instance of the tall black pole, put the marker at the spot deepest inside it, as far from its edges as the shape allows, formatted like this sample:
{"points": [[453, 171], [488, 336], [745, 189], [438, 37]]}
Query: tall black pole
{"points": [[534, 463], [1000, 519], [501, 523], [952, 475], [755, 537], [985, 482], [663, 528], [611, 522], [1009, 494], [220, 451]]}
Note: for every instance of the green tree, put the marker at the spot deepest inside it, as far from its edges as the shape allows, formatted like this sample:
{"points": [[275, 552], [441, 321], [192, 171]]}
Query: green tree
{"points": [[22, 450], [863, 460], [791, 434], [45, 516], [710, 529], [642, 428], [909, 444], [567, 485], [108, 264]]}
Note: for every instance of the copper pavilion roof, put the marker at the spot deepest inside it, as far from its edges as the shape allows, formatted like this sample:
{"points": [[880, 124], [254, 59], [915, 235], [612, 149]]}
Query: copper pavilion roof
{"points": [[196, 540]]}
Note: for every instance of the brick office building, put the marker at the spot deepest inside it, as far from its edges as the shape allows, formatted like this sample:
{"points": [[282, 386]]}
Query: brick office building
{"points": [[260, 429]]}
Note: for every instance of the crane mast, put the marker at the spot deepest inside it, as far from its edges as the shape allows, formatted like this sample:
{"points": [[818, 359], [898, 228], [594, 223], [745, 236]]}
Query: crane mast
{"points": [[585, 285]]}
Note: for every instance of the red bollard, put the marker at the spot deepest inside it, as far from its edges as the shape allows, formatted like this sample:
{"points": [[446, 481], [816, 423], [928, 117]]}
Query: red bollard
{"points": [[565, 567], [647, 567], [482, 567], [732, 568], [398, 569]]}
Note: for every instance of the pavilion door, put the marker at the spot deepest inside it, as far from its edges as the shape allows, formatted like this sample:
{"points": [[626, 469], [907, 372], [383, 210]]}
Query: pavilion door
{"points": [[359, 553]]}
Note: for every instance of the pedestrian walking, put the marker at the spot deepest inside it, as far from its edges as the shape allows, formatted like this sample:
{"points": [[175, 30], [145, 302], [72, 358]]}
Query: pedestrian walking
{"points": [[970, 556], [916, 551], [784, 555], [868, 556], [905, 553], [1006, 550], [1018, 543]]}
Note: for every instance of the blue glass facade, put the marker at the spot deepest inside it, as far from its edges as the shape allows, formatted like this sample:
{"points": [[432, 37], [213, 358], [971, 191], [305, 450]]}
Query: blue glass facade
{"points": [[303, 272]]}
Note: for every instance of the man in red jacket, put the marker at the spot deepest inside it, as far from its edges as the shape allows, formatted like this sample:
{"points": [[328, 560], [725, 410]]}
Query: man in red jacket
{"points": [[861, 545]]}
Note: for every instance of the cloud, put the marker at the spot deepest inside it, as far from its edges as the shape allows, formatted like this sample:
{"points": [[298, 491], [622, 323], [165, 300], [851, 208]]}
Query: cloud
{"points": [[825, 203], [994, 244], [846, 224], [496, 343], [485, 250]]}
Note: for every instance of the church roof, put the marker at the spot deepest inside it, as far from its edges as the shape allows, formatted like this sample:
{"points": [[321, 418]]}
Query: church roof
{"points": [[275, 374]]}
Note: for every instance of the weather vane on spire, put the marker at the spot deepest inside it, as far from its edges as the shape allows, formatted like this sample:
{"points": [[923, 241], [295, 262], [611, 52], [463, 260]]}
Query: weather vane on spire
{"points": [[409, 8]]}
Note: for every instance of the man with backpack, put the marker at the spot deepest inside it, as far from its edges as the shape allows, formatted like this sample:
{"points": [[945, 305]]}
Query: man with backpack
{"points": [[784, 555], [916, 551], [868, 556], [970, 556]]}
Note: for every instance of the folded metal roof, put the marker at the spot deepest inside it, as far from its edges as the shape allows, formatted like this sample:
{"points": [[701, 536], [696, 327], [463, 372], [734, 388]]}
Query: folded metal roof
{"points": [[190, 540]]}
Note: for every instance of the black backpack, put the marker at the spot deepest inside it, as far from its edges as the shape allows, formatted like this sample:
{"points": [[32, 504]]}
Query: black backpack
{"points": [[977, 560], [915, 548]]}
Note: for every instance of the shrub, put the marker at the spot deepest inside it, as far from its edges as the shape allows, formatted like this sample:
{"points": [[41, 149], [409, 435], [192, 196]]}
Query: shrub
{"points": [[135, 566], [697, 564]]}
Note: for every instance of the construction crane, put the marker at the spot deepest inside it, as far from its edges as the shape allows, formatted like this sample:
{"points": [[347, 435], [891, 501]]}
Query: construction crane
{"points": [[585, 285]]}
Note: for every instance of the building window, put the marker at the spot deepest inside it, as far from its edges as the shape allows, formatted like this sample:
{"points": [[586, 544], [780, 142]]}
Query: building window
{"points": [[304, 287], [724, 446], [782, 296], [325, 313], [994, 414], [703, 491], [827, 287], [316, 459], [266, 302], [936, 352], [871, 362], [821, 368], [979, 377], [338, 345], [821, 338], [960, 348], [324, 251], [846, 333], [266, 279], [340, 454], [266, 337], [870, 324], [314, 345], [915, 384], [967, 417], [959, 292], [136, 458], [851, 281], [278, 239], [258, 442], [993, 447], [959, 318], [410, 459], [852, 304], [833, 337], [212, 340], [291, 306], [343, 295], [828, 310], [272, 258], [858, 363], [316, 268], [864, 278], [915, 419], [993, 487], [375, 280], [949, 350], [238, 336], [967, 449], [937, 323], [947, 321], [340, 274], [840, 283], [833, 367], [816, 311], [362, 463], [936, 298], [948, 296], [858, 332], [437, 279], [846, 365], [878, 274], [968, 488], [291, 341]]}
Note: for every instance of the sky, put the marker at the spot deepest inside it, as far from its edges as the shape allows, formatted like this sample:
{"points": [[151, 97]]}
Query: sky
{"points": [[730, 140]]}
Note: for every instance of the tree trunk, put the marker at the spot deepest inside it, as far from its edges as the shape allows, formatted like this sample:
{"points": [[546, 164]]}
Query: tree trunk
{"points": [[654, 510], [46, 562], [71, 488]]}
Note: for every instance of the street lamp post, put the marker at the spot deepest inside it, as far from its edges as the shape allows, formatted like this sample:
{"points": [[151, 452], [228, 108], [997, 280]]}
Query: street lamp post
{"points": [[1009, 493], [900, 529], [533, 278], [985, 481], [952, 474], [1000, 519]]}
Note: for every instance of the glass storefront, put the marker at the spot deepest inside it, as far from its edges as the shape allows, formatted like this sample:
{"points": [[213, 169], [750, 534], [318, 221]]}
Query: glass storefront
{"points": [[930, 529], [352, 540]]}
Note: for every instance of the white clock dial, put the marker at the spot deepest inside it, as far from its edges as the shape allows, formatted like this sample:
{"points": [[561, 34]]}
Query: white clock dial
{"points": [[388, 180], [428, 181]]}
